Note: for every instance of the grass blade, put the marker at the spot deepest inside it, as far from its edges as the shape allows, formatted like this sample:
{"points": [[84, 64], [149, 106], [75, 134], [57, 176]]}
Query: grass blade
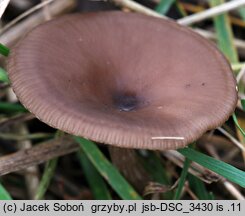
{"points": [[4, 50], [154, 167], [224, 33], [164, 6], [46, 178], [182, 179], [243, 104], [236, 67], [226, 170], [180, 9], [4, 195], [3, 76], [237, 124], [107, 170], [94, 179], [242, 13], [11, 107], [199, 188]]}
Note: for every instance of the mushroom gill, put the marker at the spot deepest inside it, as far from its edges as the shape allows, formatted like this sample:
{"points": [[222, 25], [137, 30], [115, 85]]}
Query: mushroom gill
{"points": [[123, 79]]}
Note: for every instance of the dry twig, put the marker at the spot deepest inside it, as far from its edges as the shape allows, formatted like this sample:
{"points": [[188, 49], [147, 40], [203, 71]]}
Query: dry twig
{"points": [[37, 154], [214, 11], [3, 6], [195, 169], [57, 7], [144, 10], [25, 14]]}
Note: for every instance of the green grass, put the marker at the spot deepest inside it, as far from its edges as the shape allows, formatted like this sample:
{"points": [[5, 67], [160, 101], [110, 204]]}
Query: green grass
{"points": [[237, 67], [46, 178], [242, 12], [226, 170], [243, 104], [224, 34], [107, 170], [164, 6], [7, 107], [154, 167], [4, 50], [4, 195], [237, 124], [182, 179], [3, 76], [199, 188], [94, 179]]}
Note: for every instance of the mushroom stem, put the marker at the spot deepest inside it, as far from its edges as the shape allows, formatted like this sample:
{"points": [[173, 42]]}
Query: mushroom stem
{"points": [[127, 162]]}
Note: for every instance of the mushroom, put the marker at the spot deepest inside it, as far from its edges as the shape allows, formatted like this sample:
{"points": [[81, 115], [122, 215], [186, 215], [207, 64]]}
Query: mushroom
{"points": [[123, 79]]}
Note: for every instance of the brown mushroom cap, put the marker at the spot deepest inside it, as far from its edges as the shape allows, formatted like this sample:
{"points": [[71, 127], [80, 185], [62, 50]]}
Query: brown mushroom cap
{"points": [[123, 78]]}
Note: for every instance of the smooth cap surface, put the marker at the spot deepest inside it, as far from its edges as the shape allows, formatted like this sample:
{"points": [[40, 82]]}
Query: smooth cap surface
{"points": [[123, 79]]}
